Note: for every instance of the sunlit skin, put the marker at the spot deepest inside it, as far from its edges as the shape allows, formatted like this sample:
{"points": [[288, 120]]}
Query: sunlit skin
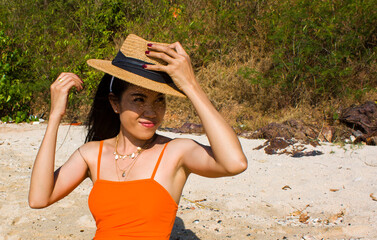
{"points": [[141, 112]]}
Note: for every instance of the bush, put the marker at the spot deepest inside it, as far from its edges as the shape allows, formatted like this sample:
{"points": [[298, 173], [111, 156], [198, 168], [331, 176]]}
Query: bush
{"points": [[272, 54], [318, 49], [15, 93]]}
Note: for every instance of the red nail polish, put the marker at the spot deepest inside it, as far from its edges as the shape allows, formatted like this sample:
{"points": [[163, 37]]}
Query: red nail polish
{"points": [[149, 44], [147, 52], [144, 66]]}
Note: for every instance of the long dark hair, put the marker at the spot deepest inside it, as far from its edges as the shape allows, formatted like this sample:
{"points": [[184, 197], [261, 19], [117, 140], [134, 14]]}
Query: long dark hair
{"points": [[103, 122]]}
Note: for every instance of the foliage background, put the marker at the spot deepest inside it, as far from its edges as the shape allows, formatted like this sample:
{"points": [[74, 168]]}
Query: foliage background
{"points": [[259, 61]]}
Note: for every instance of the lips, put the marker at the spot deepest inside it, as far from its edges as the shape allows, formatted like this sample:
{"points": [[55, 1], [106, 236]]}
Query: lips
{"points": [[147, 124]]}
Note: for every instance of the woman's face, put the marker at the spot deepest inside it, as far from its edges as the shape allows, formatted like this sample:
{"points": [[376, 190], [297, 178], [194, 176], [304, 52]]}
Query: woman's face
{"points": [[141, 111]]}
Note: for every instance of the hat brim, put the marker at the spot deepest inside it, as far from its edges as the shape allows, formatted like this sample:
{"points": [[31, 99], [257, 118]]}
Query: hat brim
{"points": [[107, 67]]}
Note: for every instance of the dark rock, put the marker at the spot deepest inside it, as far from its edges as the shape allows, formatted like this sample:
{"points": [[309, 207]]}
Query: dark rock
{"points": [[272, 146], [186, 128], [369, 139], [289, 129], [280, 146], [307, 154], [363, 117], [277, 144], [190, 128], [363, 121], [357, 133]]}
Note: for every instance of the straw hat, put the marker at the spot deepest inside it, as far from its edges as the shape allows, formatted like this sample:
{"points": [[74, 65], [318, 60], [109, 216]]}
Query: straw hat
{"points": [[127, 66]]}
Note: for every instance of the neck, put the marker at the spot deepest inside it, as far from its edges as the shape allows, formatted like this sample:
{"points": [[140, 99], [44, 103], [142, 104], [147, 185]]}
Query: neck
{"points": [[127, 144]]}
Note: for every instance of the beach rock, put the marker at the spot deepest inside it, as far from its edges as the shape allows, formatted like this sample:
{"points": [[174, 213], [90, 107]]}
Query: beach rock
{"points": [[289, 129], [277, 144], [362, 117], [369, 139], [327, 134], [189, 128], [290, 147]]}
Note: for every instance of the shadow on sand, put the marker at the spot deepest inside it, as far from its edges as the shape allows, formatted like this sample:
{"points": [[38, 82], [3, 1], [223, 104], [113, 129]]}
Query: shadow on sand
{"points": [[179, 231]]}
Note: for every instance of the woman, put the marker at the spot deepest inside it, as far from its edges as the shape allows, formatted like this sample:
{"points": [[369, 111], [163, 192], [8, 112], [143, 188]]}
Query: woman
{"points": [[138, 175]]}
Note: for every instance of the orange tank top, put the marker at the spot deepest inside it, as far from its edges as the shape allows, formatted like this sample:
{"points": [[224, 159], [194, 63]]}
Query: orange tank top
{"points": [[137, 209]]}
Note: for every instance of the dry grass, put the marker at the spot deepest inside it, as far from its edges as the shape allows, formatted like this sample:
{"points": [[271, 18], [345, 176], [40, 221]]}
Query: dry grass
{"points": [[245, 106], [249, 107]]}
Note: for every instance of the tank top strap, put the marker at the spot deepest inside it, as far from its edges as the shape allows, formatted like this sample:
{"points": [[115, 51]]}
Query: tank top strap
{"points": [[99, 158], [158, 161]]}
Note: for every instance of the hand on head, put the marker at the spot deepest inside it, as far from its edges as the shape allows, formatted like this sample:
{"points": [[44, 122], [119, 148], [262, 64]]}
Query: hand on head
{"points": [[179, 63], [59, 92]]}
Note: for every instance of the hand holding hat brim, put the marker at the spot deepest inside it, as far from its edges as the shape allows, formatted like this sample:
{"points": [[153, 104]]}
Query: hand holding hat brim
{"points": [[133, 51], [179, 65]]}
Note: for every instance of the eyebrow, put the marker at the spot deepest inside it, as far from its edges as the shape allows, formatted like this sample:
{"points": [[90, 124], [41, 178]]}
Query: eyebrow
{"points": [[145, 96], [138, 95]]}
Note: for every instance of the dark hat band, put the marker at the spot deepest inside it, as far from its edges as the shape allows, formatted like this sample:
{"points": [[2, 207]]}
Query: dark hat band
{"points": [[136, 66]]}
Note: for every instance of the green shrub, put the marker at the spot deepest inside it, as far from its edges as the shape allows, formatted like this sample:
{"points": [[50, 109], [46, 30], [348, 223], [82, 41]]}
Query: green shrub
{"points": [[14, 91], [314, 50], [319, 46]]}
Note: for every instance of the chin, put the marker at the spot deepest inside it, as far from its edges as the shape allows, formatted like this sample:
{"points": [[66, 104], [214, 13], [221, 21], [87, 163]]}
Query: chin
{"points": [[147, 135]]}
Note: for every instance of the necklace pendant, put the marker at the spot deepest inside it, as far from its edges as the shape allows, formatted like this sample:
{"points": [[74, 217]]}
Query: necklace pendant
{"points": [[123, 174]]}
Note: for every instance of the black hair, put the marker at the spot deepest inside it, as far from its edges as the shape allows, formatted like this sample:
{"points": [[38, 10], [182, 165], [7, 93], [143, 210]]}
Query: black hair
{"points": [[103, 122]]}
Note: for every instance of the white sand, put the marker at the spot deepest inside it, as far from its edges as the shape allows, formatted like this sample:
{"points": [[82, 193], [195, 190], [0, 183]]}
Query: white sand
{"points": [[332, 189]]}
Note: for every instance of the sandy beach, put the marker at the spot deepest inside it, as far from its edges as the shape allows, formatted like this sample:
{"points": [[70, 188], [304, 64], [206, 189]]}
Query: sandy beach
{"points": [[329, 196]]}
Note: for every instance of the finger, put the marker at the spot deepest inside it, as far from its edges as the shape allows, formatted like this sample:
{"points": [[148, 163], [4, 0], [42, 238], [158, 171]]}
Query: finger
{"points": [[159, 55], [64, 84], [68, 85], [72, 82], [66, 77], [178, 48], [159, 68], [70, 75], [61, 79], [75, 77], [162, 48], [58, 79], [77, 80]]}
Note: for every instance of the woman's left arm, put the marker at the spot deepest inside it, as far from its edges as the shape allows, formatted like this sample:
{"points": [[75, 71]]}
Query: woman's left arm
{"points": [[225, 156]]}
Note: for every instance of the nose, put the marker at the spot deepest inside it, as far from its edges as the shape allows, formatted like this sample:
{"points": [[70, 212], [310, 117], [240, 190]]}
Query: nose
{"points": [[149, 111]]}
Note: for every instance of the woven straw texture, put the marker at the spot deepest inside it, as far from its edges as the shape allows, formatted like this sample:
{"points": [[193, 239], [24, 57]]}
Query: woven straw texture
{"points": [[135, 47]]}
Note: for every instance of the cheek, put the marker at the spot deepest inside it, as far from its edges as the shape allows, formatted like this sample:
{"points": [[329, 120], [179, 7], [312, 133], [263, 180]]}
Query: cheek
{"points": [[160, 109], [137, 108]]}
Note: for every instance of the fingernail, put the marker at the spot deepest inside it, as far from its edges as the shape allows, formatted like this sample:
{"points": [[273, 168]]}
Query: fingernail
{"points": [[144, 66], [147, 52], [149, 44]]}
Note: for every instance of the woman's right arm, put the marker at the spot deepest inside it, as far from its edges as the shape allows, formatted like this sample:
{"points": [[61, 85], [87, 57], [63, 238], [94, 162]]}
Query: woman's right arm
{"points": [[47, 186]]}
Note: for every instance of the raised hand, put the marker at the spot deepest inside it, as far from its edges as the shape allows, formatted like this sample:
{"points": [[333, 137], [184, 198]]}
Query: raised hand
{"points": [[179, 65], [225, 157], [59, 92]]}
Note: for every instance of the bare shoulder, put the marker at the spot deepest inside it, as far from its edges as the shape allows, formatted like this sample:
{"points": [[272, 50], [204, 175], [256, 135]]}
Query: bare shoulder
{"points": [[182, 146], [89, 151], [89, 147], [183, 142]]}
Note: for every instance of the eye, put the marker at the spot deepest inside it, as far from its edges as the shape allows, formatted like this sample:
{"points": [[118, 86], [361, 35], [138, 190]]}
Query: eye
{"points": [[160, 99], [139, 99]]}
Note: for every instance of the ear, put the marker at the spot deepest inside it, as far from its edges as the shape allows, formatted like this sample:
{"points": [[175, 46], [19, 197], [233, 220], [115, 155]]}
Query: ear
{"points": [[114, 101]]}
